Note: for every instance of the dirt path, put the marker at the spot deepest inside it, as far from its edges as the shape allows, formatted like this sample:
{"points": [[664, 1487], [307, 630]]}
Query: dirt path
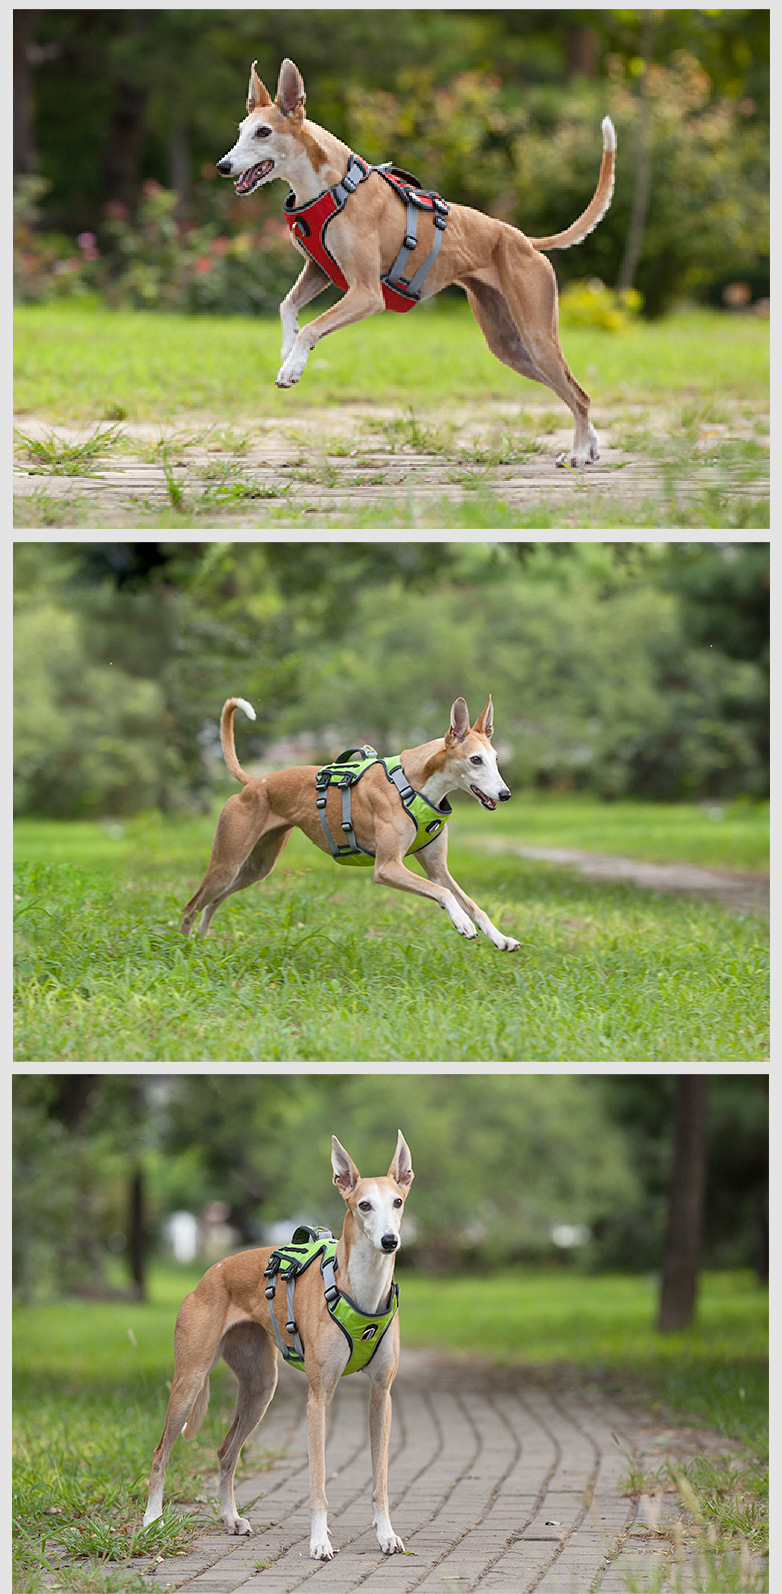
{"points": [[335, 466], [498, 1480], [746, 892]]}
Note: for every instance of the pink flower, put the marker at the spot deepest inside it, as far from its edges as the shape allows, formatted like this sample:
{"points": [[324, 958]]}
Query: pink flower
{"points": [[203, 264]]}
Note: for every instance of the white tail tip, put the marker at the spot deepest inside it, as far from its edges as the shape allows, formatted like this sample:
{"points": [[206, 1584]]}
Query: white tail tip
{"points": [[609, 133], [248, 708]]}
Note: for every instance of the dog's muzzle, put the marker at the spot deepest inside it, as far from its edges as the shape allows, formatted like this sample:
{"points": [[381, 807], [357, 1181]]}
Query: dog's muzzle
{"points": [[489, 802], [249, 179]]}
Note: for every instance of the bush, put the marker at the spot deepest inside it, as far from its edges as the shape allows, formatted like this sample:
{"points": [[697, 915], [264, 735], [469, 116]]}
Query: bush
{"points": [[156, 261]]}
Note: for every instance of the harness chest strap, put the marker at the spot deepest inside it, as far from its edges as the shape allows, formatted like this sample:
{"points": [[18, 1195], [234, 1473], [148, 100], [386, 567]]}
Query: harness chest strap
{"points": [[308, 225], [363, 1332]]}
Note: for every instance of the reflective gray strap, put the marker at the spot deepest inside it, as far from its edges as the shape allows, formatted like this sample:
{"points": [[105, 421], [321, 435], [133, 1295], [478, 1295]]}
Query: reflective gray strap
{"points": [[347, 822], [277, 1333], [354, 175], [415, 285], [333, 848], [410, 241], [402, 783], [291, 1324]]}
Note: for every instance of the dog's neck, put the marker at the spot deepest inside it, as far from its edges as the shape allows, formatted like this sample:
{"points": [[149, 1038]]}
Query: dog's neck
{"points": [[430, 770], [363, 1272], [317, 161]]}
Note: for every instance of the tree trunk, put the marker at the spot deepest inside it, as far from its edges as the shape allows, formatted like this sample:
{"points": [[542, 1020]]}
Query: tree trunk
{"points": [[25, 155], [643, 169], [137, 1249], [681, 1258]]}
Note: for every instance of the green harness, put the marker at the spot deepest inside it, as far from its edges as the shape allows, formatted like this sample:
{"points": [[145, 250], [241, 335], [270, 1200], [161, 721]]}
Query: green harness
{"points": [[344, 773], [362, 1333]]}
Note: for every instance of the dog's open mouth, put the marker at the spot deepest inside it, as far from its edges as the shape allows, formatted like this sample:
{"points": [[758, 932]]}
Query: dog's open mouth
{"points": [[488, 802], [250, 180]]}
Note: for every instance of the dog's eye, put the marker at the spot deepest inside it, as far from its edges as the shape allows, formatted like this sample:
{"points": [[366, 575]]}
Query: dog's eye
{"points": [[399, 1202], [365, 1206], [263, 132], [476, 759]]}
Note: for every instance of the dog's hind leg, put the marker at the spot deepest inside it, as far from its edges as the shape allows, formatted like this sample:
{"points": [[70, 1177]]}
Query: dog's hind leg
{"points": [[197, 1349], [245, 849], [252, 1356], [255, 868], [528, 286]]}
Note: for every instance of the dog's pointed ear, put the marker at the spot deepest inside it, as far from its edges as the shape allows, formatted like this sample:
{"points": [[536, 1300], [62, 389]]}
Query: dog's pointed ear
{"points": [[346, 1174], [401, 1170], [257, 94], [485, 721], [460, 721], [290, 89]]}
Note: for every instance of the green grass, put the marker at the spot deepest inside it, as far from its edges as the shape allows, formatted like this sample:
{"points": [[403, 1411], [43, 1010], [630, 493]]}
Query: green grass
{"points": [[685, 401], [90, 1386], [319, 964], [88, 364]]}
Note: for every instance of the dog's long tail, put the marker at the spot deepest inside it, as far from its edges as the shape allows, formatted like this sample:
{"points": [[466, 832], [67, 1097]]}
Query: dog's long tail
{"points": [[598, 204], [227, 735]]}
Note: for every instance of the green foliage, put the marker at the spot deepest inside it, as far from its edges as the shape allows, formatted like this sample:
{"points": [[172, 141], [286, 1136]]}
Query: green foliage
{"points": [[499, 109], [591, 304], [595, 682]]}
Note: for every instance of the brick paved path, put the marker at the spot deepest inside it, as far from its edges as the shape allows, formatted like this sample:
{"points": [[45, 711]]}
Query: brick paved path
{"points": [[496, 1483]]}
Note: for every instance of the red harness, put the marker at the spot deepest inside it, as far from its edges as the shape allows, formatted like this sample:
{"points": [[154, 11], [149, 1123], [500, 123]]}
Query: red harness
{"points": [[308, 225]]}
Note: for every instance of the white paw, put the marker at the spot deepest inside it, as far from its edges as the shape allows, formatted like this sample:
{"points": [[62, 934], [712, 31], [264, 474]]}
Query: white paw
{"points": [[237, 1525], [390, 1544], [460, 920], [152, 1514], [507, 944], [579, 457], [320, 1550], [291, 368]]}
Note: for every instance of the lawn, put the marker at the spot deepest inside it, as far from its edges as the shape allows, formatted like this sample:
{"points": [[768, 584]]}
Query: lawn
{"points": [[90, 1392], [320, 964], [397, 422], [75, 364]]}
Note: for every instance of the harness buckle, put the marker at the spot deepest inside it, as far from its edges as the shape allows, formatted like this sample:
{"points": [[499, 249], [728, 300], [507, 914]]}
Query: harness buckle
{"points": [[410, 241], [331, 1294], [346, 825], [291, 1327], [270, 1292]]}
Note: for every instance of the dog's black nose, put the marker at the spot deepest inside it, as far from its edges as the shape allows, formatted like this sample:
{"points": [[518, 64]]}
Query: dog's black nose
{"points": [[224, 166], [504, 795], [389, 1242]]}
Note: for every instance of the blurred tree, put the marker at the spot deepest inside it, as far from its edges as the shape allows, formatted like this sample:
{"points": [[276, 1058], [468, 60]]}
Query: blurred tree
{"points": [[109, 99], [684, 1235]]}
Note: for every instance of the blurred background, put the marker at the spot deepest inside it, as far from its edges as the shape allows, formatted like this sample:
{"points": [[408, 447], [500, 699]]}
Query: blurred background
{"points": [[119, 117], [617, 670], [584, 1172]]}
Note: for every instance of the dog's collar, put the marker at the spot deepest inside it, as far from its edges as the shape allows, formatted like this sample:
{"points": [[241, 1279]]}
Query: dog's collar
{"points": [[363, 1331], [308, 225], [344, 773]]}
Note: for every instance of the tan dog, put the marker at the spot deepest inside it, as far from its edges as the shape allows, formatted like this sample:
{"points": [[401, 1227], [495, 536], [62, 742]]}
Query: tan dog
{"points": [[256, 823], [511, 287], [228, 1315]]}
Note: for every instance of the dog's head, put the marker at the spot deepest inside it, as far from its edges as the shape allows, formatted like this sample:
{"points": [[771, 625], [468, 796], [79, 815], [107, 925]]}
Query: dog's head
{"points": [[269, 136], [471, 759], [376, 1204]]}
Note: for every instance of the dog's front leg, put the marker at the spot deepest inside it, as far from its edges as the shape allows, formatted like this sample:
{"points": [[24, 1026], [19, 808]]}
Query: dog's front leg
{"points": [[311, 281], [318, 1402], [379, 1434], [359, 302], [433, 859]]}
